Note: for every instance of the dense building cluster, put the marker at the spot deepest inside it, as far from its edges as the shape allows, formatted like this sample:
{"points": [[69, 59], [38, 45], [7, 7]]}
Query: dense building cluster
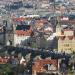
{"points": [[37, 37]]}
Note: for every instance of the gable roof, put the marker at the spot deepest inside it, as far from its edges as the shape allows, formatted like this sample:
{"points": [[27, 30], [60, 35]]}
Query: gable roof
{"points": [[25, 33], [25, 30]]}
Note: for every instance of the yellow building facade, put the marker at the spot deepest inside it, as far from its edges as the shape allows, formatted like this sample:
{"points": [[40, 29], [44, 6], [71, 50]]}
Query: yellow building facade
{"points": [[66, 41], [66, 45]]}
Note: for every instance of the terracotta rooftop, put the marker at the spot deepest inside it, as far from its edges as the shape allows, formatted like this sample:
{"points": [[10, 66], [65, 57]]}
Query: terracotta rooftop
{"points": [[42, 21], [22, 32], [19, 19], [68, 30], [3, 60]]}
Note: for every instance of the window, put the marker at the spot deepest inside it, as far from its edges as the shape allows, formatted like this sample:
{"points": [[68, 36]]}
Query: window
{"points": [[66, 45]]}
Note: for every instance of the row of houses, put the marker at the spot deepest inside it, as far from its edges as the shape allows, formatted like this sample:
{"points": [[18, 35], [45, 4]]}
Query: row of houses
{"points": [[65, 35], [44, 32]]}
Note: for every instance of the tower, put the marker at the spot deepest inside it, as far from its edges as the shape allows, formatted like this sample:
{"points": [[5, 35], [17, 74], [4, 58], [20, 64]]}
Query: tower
{"points": [[58, 28], [4, 31]]}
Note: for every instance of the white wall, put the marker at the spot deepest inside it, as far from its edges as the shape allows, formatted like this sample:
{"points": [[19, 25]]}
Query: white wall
{"points": [[45, 5], [19, 39]]}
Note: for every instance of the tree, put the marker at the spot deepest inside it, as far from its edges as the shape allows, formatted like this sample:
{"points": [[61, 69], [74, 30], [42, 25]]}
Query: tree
{"points": [[5, 69], [41, 42]]}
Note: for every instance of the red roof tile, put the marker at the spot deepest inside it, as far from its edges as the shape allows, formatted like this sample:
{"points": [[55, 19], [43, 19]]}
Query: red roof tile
{"points": [[19, 19], [68, 30], [25, 33], [42, 21]]}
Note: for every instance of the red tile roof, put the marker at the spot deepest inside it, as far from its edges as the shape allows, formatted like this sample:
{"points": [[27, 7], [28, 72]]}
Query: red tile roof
{"points": [[42, 21], [22, 32], [68, 30], [19, 19], [39, 65], [3, 60]]}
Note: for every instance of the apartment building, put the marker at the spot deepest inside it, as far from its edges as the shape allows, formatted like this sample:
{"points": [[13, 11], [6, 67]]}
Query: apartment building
{"points": [[66, 41]]}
